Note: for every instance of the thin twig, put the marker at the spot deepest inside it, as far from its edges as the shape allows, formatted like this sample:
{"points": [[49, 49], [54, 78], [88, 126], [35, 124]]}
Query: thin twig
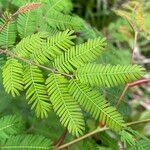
{"points": [[97, 131], [61, 139], [83, 137], [129, 85], [121, 96], [139, 82], [134, 46], [138, 122], [33, 63]]}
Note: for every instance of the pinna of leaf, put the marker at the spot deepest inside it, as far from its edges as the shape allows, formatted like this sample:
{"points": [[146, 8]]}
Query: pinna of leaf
{"points": [[67, 95]]}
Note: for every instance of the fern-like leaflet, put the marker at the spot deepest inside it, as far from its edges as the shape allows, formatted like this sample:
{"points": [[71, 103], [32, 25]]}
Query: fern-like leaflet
{"points": [[64, 6], [79, 55], [108, 75], [43, 48], [127, 138], [8, 34], [60, 21], [64, 105], [134, 138], [26, 23], [54, 46], [94, 103], [12, 77], [32, 43], [36, 91]]}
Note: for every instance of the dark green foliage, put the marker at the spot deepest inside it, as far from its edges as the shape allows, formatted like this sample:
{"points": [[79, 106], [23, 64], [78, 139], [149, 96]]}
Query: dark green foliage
{"points": [[10, 125]]}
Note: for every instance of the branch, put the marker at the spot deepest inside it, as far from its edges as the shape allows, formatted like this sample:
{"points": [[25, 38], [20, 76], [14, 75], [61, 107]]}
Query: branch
{"points": [[129, 85], [138, 122], [61, 139], [121, 96], [12, 55], [139, 82], [97, 131], [82, 137]]}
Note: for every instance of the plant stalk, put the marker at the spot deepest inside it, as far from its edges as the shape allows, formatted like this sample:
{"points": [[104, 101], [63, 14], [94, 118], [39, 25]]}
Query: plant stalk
{"points": [[122, 96], [129, 85], [138, 122], [97, 131], [82, 137], [12, 55], [61, 139]]}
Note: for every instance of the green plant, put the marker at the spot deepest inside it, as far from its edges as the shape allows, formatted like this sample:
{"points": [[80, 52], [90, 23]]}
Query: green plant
{"points": [[45, 60], [10, 126]]}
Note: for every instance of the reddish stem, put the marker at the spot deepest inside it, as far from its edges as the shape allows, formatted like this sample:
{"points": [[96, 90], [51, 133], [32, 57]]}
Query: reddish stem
{"points": [[139, 82], [132, 84], [61, 139]]}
